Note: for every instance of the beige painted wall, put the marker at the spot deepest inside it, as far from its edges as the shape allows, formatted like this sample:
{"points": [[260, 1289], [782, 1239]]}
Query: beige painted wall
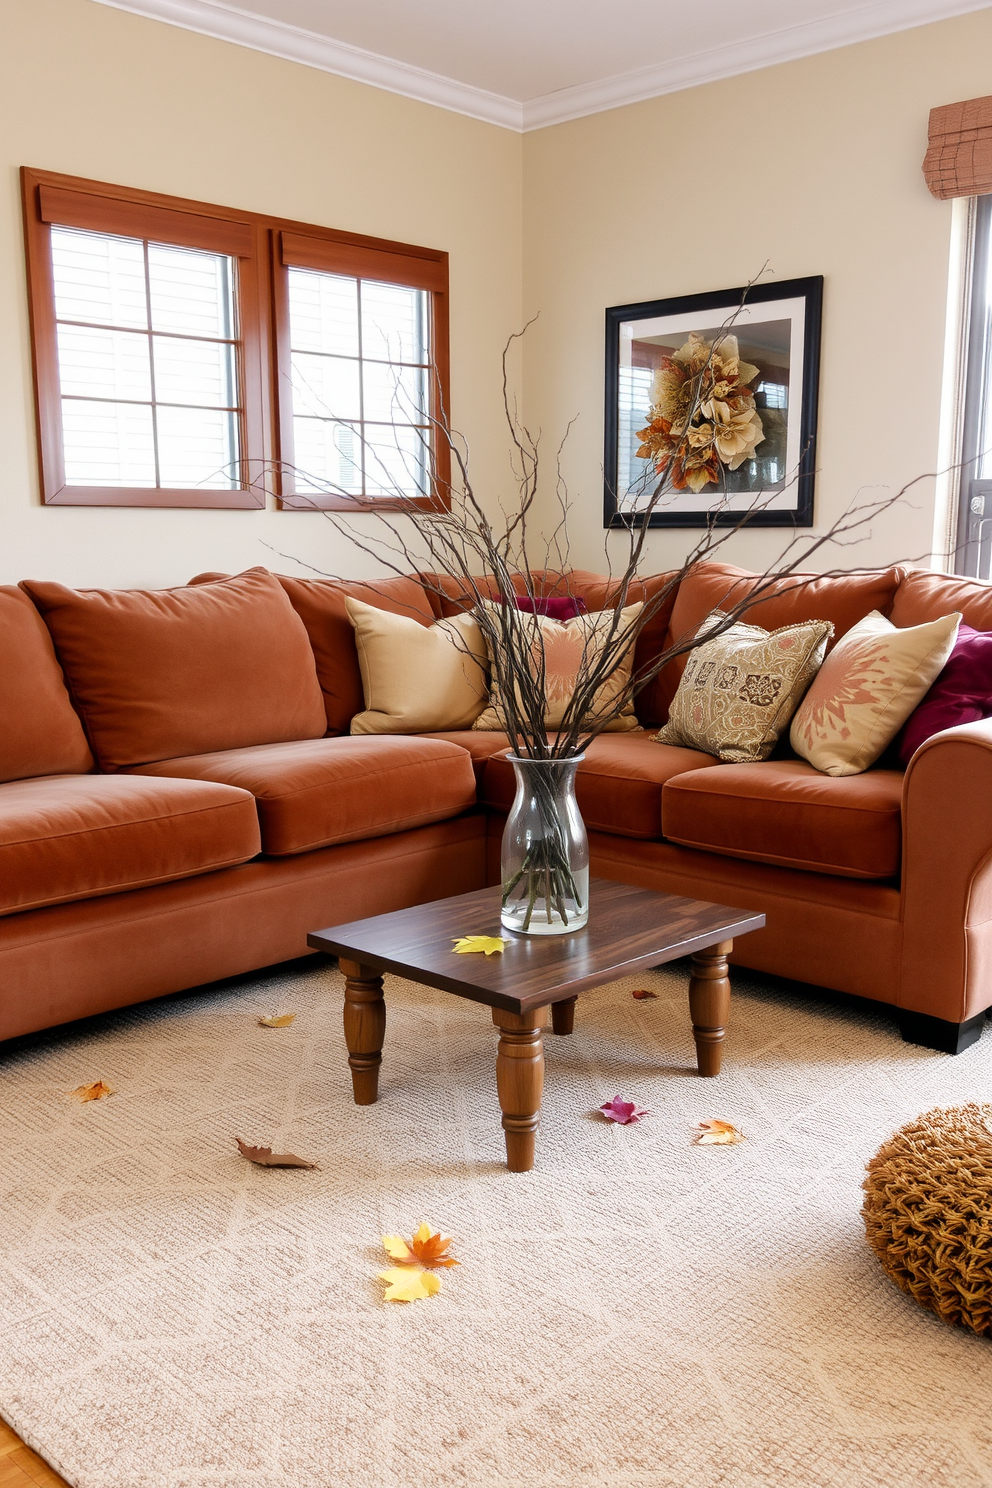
{"points": [[93, 91], [813, 166]]}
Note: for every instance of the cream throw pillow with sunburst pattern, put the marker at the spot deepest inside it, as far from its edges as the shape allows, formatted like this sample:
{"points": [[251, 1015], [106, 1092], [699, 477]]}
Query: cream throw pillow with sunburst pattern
{"points": [[565, 644], [866, 689]]}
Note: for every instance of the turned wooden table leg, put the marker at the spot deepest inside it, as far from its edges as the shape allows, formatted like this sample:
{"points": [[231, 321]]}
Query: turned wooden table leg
{"points": [[519, 1082], [563, 1015], [709, 1004], [364, 1028]]}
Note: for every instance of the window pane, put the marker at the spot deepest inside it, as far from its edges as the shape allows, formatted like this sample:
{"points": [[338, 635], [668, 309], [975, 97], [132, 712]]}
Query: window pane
{"points": [[98, 277], [104, 364], [201, 372], [394, 394], [197, 447], [395, 461], [326, 387], [328, 456], [191, 291], [108, 444], [323, 312], [394, 322]]}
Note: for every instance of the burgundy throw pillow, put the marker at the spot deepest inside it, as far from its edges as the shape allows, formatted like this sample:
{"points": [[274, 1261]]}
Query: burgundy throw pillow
{"points": [[961, 694], [555, 606]]}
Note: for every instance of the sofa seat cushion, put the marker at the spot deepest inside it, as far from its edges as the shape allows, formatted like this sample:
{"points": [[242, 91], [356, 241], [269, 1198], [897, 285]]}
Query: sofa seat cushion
{"points": [[785, 812], [480, 745], [68, 837], [618, 785], [320, 791]]}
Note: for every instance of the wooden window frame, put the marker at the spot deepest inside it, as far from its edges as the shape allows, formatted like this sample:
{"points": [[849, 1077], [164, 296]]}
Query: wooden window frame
{"points": [[388, 263], [259, 242]]}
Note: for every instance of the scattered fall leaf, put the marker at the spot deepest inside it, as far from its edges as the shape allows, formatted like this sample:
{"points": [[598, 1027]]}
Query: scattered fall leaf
{"points": [[277, 1020], [409, 1284], [97, 1091], [641, 993], [716, 1133], [625, 1113], [424, 1249], [266, 1158], [469, 945]]}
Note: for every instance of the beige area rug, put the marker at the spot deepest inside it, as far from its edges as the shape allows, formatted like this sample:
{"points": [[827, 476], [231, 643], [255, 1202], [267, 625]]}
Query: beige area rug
{"points": [[635, 1313]]}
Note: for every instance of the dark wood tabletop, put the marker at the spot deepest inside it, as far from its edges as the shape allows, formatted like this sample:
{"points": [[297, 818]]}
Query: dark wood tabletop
{"points": [[629, 929]]}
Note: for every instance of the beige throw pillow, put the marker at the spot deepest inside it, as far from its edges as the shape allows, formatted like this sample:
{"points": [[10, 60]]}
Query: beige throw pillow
{"points": [[866, 689], [417, 678], [566, 644], [739, 691]]}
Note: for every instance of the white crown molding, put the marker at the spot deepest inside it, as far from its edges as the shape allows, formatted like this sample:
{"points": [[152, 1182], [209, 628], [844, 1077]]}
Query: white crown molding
{"points": [[880, 18], [293, 44], [230, 23]]}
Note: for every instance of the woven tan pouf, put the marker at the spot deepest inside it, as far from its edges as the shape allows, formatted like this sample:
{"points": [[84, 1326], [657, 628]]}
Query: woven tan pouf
{"points": [[928, 1212]]}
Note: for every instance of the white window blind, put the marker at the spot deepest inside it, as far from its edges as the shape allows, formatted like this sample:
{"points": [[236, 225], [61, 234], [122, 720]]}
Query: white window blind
{"points": [[148, 362], [360, 354]]}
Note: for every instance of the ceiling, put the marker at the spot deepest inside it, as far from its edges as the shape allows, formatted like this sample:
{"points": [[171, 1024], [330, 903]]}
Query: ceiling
{"points": [[525, 64]]}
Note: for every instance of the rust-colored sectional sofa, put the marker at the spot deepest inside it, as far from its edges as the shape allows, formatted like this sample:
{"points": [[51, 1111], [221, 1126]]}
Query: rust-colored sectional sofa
{"points": [[181, 800]]}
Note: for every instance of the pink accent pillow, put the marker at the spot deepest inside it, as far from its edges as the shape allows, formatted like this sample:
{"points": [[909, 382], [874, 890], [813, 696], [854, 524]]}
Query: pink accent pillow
{"points": [[961, 694], [561, 607]]}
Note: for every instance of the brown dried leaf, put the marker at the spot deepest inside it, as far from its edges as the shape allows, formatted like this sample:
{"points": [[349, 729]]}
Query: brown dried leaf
{"points": [[99, 1090], [641, 993], [716, 1133], [276, 1020], [266, 1158]]}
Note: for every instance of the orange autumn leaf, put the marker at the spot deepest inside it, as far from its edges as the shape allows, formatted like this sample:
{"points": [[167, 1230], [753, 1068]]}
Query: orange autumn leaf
{"points": [[424, 1249], [716, 1133], [277, 1020], [99, 1090], [641, 993]]}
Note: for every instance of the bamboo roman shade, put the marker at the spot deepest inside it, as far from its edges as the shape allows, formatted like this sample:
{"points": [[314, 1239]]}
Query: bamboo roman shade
{"points": [[959, 155]]}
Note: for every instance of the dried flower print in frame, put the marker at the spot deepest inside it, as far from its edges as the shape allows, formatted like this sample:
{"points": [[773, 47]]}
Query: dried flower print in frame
{"points": [[716, 395]]}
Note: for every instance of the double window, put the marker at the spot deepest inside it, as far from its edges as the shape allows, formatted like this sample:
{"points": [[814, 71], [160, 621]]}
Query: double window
{"points": [[189, 355]]}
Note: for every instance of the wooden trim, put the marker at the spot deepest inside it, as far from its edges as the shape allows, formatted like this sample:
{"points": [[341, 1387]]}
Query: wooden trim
{"points": [[65, 208], [243, 499], [261, 244], [303, 251]]}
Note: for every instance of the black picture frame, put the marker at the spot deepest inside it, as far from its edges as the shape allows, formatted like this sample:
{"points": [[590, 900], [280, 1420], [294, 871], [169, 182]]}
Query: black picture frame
{"points": [[791, 335]]}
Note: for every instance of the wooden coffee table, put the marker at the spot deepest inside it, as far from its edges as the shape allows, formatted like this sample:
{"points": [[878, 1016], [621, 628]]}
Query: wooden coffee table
{"points": [[629, 929]]}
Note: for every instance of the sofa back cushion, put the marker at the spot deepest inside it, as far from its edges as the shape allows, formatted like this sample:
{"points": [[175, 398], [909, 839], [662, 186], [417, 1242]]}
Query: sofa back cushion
{"points": [[167, 672], [40, 732], [843, 599], [449, 596], [320, 604], [923, 596]]}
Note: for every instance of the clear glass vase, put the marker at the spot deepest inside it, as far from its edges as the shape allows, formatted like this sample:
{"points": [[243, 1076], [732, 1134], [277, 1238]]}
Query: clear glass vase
{"points": [[545, 868]]}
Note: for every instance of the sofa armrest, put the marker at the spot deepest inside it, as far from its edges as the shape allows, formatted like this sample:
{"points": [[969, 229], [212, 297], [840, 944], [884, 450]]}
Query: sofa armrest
{"points": [[947, 875]]}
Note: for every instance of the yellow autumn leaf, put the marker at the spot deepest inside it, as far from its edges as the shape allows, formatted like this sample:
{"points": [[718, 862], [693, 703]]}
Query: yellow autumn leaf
{"points": [[409, 1284], [97, 1091], [277, 1020], [716, 1133], [489, 945], [397, 1249]]}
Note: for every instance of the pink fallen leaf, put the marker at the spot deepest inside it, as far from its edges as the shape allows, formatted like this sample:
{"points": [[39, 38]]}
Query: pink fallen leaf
{"points": [[266, 1158], [641, 993], [625, 1113]]}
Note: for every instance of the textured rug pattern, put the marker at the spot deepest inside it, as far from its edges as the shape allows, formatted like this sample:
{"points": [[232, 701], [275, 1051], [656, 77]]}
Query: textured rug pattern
{"points": [[637, 1312]]}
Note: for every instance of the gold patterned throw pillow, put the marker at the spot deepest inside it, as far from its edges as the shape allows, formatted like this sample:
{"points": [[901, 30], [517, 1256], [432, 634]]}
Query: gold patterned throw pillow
{"points": [[868, 686], [739, 691], [567, 645]]}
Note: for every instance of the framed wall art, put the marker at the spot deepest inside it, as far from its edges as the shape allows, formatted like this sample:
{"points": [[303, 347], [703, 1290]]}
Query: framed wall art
{"points": [[743, 365]]}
